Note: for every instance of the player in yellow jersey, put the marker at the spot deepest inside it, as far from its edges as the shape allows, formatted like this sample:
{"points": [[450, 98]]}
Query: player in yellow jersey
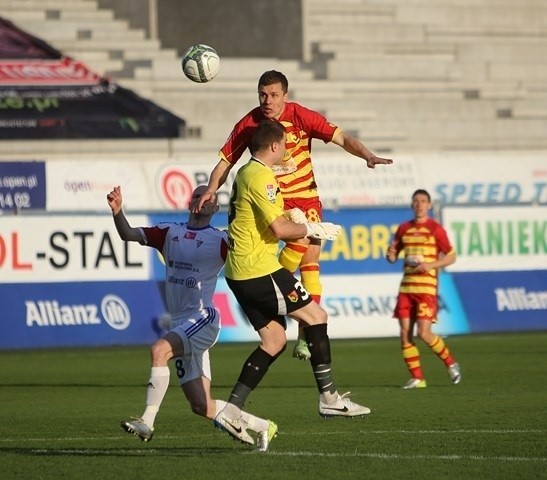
{"points": [[426, 249], [294, 174], [264, 289]]}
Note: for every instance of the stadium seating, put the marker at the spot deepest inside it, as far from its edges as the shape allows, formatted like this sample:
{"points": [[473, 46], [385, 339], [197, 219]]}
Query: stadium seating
{"points": [[403, 75], [443, 75]]}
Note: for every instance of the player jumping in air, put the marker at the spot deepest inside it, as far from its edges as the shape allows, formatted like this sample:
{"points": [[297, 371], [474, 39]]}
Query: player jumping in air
{"points": [[294, 175]]}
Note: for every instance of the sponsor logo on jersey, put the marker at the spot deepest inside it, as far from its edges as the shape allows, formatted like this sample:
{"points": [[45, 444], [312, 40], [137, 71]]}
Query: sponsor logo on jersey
{"points": [[292, 138], [288, 166], [271, 192]]}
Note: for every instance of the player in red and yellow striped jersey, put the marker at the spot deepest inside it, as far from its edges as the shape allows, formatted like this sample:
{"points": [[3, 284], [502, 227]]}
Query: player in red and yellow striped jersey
{"points": [[295, 175], [426, 249]]}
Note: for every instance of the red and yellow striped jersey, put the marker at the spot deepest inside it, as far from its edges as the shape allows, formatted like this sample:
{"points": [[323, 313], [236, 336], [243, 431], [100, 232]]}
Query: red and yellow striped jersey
{"points": [[295, 175], [421, 242]]}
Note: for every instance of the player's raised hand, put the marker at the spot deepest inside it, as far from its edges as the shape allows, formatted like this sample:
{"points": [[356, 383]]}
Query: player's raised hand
{"points": [[373, 160], [197, 204], [114, 199], [323, 230]]}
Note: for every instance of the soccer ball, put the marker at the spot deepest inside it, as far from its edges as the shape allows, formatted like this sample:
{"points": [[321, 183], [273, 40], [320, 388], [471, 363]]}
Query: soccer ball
{"points": [[200, 63]]}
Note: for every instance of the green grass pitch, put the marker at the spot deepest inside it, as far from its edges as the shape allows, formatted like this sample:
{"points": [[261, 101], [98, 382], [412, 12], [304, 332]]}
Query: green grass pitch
{"points": [[60, 412]]}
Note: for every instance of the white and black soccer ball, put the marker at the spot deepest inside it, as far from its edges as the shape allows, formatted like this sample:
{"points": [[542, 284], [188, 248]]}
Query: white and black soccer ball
{"points": [[200, 63]]}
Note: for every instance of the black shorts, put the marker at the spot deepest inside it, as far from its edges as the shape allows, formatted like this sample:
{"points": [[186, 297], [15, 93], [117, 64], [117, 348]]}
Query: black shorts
{"points": [[270, 297]]}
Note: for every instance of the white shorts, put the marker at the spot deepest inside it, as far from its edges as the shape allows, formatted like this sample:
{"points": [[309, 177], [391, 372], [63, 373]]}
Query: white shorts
{"points": [[198, 334]]}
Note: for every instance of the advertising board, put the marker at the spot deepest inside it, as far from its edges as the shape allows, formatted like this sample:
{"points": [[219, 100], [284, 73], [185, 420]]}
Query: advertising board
{"points": [[59, 248], [22, 186], [504, 301], [497, 238], [39, 315]]}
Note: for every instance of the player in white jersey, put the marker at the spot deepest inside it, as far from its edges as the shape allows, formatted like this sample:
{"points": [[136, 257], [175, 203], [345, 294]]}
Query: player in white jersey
{"points": [[194, 253]]}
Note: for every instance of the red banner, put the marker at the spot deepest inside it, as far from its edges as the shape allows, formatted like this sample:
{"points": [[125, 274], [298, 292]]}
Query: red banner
{"points": [[45, 95], [46, 72]]}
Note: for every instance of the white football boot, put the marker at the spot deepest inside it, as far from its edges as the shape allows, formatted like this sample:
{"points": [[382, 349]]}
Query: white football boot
{"points": [[138, 428], [343, 407]]}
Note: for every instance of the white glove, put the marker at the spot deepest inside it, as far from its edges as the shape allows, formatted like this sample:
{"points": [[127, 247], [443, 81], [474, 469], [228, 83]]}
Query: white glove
{"points": [[296, 215], [323, 230]]}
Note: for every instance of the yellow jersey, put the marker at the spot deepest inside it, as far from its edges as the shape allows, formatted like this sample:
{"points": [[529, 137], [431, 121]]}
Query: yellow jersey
{"points": [[255, 202]]}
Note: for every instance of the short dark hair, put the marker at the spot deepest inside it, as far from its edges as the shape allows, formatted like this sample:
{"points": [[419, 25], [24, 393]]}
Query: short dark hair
{"points": [[267, 132], [272, 77], [421, 191]]}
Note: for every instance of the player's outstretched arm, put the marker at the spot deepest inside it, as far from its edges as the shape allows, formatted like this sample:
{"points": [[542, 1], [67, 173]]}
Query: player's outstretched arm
{"points": [[216, 180], [125, 231], [355, 147]]}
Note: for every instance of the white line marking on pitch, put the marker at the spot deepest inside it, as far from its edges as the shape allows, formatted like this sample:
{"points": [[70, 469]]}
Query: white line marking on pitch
{"points": [[420, 432], [407, 457], [370, 432], [413, 432], [382, 456], [81, 439]]}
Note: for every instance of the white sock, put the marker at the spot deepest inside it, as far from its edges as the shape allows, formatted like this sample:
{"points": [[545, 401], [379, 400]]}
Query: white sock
{"points": [[157, 387], [232, 411], [256, 424], [220, 406]]}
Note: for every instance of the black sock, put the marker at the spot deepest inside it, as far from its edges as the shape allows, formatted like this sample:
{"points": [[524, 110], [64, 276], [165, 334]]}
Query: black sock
{"points": [[239, 394], [254, 369], [319, 346]]}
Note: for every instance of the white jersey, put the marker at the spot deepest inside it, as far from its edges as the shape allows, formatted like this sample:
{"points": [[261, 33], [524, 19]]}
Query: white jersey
{"points": [[193, 259]]}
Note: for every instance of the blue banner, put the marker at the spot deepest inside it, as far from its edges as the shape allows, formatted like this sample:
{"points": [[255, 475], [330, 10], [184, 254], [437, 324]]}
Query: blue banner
{"points": [[22, 185], [80, 314], [504, 301], [362, 244]]}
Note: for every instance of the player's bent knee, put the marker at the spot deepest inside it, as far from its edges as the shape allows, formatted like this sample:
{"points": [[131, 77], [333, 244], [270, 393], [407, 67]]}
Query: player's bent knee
{"points": [[199, 408], [280, 351], [425, 334], [311, 314], [317, 313], [425, 337], [161, 351], [274, 347]]}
